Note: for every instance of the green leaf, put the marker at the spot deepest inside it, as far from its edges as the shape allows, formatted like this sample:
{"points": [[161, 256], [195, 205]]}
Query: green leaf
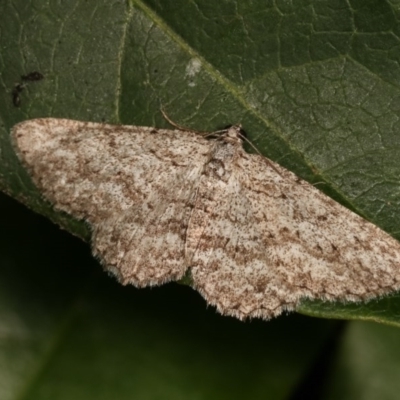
{"points": [[314, 84]]}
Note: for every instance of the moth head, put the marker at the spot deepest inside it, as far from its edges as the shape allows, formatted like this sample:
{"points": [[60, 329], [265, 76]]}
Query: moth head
{"points": [[234, 135]]}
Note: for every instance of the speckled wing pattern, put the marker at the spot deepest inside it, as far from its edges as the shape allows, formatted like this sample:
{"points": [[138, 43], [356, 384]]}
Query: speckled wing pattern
{"points": [[133, 185], [256, 238]]}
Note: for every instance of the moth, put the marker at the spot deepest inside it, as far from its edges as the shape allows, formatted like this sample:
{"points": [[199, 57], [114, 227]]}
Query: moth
{"points": [[255, 238]]}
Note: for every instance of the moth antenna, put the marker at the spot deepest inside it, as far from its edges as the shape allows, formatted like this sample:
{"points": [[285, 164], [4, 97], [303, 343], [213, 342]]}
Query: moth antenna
{"points": [[173, 123], [184, 128]]}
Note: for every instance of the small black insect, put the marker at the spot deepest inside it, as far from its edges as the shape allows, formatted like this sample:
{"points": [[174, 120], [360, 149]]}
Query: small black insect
{"points": [[32, 76], [18, 88]]}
